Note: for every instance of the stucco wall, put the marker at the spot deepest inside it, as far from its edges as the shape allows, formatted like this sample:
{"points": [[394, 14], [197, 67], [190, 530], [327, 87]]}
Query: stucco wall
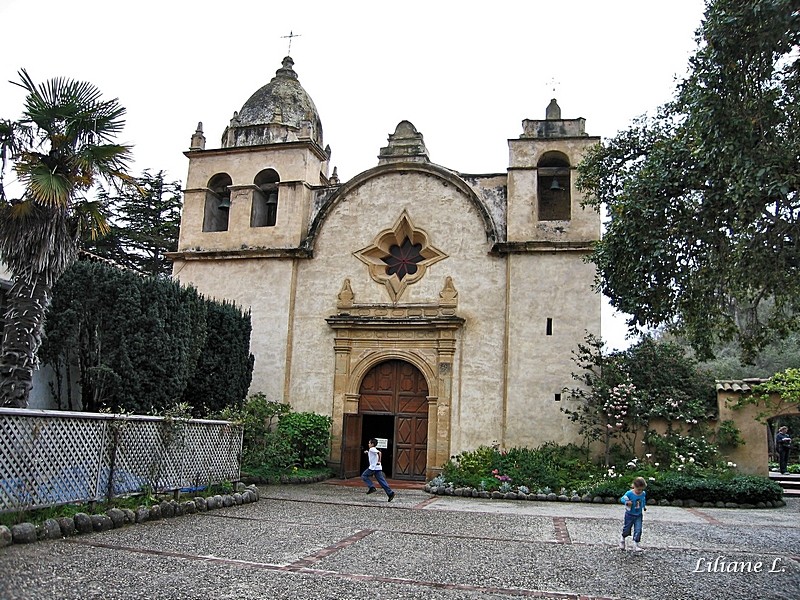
{"points": [[455, 228], [556, 286], [752, 457]]}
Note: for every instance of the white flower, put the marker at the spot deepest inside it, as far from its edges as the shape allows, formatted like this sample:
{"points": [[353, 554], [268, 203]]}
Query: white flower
{"points": [[648, 455]]}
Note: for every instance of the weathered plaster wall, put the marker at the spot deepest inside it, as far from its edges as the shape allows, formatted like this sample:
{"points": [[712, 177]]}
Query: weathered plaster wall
{"points": [[523, 224], [546, 285], [752, 457], [455, 228]]}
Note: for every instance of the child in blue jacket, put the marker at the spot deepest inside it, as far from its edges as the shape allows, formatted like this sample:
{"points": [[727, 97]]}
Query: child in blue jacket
{"points": [[635, 501]]}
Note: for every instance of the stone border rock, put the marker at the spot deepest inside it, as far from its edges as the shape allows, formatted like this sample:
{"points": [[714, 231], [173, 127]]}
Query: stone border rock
{"points": [[473, 493], [287, 479], [54, 529]]}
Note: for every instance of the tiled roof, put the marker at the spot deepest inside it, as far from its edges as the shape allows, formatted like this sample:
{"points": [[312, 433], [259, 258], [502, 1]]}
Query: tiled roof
{"points": [[739, 386]]}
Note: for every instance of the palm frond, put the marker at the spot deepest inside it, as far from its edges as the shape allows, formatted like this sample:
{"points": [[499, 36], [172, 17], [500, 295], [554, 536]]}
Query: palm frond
{"points": [[43, 185], [91, 219], [71, 110], [105, 158]]}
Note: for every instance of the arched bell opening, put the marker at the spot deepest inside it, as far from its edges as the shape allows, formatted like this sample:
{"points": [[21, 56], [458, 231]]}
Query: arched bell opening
{"points": [[554, 187], [218, 203], [265, 199]]}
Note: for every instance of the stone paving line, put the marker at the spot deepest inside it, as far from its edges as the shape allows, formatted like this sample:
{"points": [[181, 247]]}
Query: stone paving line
{"points": [[334, 542]]}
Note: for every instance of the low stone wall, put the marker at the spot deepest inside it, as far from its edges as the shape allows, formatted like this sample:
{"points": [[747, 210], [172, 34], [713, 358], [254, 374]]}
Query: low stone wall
{"points": [[473, 493], [53, 529]]}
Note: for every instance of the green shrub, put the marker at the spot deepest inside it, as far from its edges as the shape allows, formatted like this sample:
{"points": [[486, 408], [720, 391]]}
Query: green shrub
{"points": [[309, 436], [742, 489], [752, 489], [554, 467], [225, 366], [263, 446], [549, 465], [470, 468]]}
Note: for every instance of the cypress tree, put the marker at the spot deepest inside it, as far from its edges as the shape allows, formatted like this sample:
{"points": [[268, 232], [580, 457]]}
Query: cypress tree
{"points": [[225, 366]]}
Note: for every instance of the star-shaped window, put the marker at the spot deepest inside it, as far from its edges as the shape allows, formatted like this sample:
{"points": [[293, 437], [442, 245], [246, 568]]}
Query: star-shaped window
{"points": [[399, 256], [403, 259]]}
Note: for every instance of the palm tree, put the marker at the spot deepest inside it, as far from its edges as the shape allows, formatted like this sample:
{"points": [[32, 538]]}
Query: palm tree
{"points": [[59, 149]]}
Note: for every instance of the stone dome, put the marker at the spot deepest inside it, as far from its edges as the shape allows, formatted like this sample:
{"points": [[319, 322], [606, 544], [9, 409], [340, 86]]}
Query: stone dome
{"points": [[281, 111]]}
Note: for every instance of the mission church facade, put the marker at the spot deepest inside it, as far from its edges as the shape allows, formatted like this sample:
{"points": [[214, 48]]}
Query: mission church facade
{"points": [[434, 309]]}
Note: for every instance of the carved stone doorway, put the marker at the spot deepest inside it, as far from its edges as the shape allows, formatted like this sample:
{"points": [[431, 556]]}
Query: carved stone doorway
{"points": [[393, 404]]}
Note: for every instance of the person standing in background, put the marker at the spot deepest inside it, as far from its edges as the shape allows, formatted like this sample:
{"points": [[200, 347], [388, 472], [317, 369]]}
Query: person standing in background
{"points": [[783, 443]]}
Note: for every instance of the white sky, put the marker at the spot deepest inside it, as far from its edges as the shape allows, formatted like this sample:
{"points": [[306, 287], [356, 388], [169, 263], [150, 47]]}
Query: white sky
{"points": [[465, 73]]}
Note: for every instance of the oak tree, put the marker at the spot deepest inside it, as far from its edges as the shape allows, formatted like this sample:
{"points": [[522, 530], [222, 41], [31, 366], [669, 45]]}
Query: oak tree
{"points": [[702, 197]]}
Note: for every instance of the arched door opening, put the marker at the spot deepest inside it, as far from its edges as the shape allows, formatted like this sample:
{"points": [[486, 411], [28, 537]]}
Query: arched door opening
{"points": [[393, 406]]}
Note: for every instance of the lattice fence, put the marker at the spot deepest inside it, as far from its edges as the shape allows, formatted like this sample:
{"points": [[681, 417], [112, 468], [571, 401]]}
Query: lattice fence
{"points": [[49, 458]]}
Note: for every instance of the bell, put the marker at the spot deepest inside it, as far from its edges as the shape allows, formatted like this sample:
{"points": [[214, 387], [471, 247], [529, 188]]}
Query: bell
{"points": [[555, 186], [224, 204]]}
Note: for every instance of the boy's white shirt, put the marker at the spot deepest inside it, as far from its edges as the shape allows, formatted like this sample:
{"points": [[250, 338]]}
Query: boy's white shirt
{"points": [[375, 459]]}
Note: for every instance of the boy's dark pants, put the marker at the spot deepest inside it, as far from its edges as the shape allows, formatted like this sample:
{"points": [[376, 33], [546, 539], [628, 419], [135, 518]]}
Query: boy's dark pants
{"points": [[635, 522]]}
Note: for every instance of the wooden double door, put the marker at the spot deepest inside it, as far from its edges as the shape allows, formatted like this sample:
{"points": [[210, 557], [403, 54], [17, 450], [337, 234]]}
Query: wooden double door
{"points": [[393, 405]]}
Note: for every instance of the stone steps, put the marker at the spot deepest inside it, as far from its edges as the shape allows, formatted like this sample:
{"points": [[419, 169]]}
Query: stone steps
{"points": [[789, 482]]}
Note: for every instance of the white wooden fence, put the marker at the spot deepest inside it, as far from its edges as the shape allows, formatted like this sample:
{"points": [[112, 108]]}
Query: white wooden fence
{"points": [[49, 457]]}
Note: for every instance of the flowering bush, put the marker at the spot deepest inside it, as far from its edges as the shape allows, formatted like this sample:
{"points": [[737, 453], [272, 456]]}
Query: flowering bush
{"points": [[685, 453], [621, 392], [678, 408]]}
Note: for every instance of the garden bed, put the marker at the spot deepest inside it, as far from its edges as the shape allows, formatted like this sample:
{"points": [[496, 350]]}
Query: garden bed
{"points": [[468, 492]]}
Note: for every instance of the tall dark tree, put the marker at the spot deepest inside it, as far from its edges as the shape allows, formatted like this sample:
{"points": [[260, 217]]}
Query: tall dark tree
{"points": [[59, 149], [135, 340], [144, 221], [225, 366], [703, 198]]}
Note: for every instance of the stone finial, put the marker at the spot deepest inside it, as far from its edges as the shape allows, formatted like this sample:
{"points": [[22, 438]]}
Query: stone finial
{"points": [[346, 296], [553, 111], [198, 139], [229, 135], [286, 69], [305, 132], [405, 144], [335, 176], [448, 297]]}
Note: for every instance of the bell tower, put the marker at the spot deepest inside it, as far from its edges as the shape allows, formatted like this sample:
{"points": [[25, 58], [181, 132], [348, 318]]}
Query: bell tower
{"points": [[543, 203], [253, 195], [552, 303]]}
